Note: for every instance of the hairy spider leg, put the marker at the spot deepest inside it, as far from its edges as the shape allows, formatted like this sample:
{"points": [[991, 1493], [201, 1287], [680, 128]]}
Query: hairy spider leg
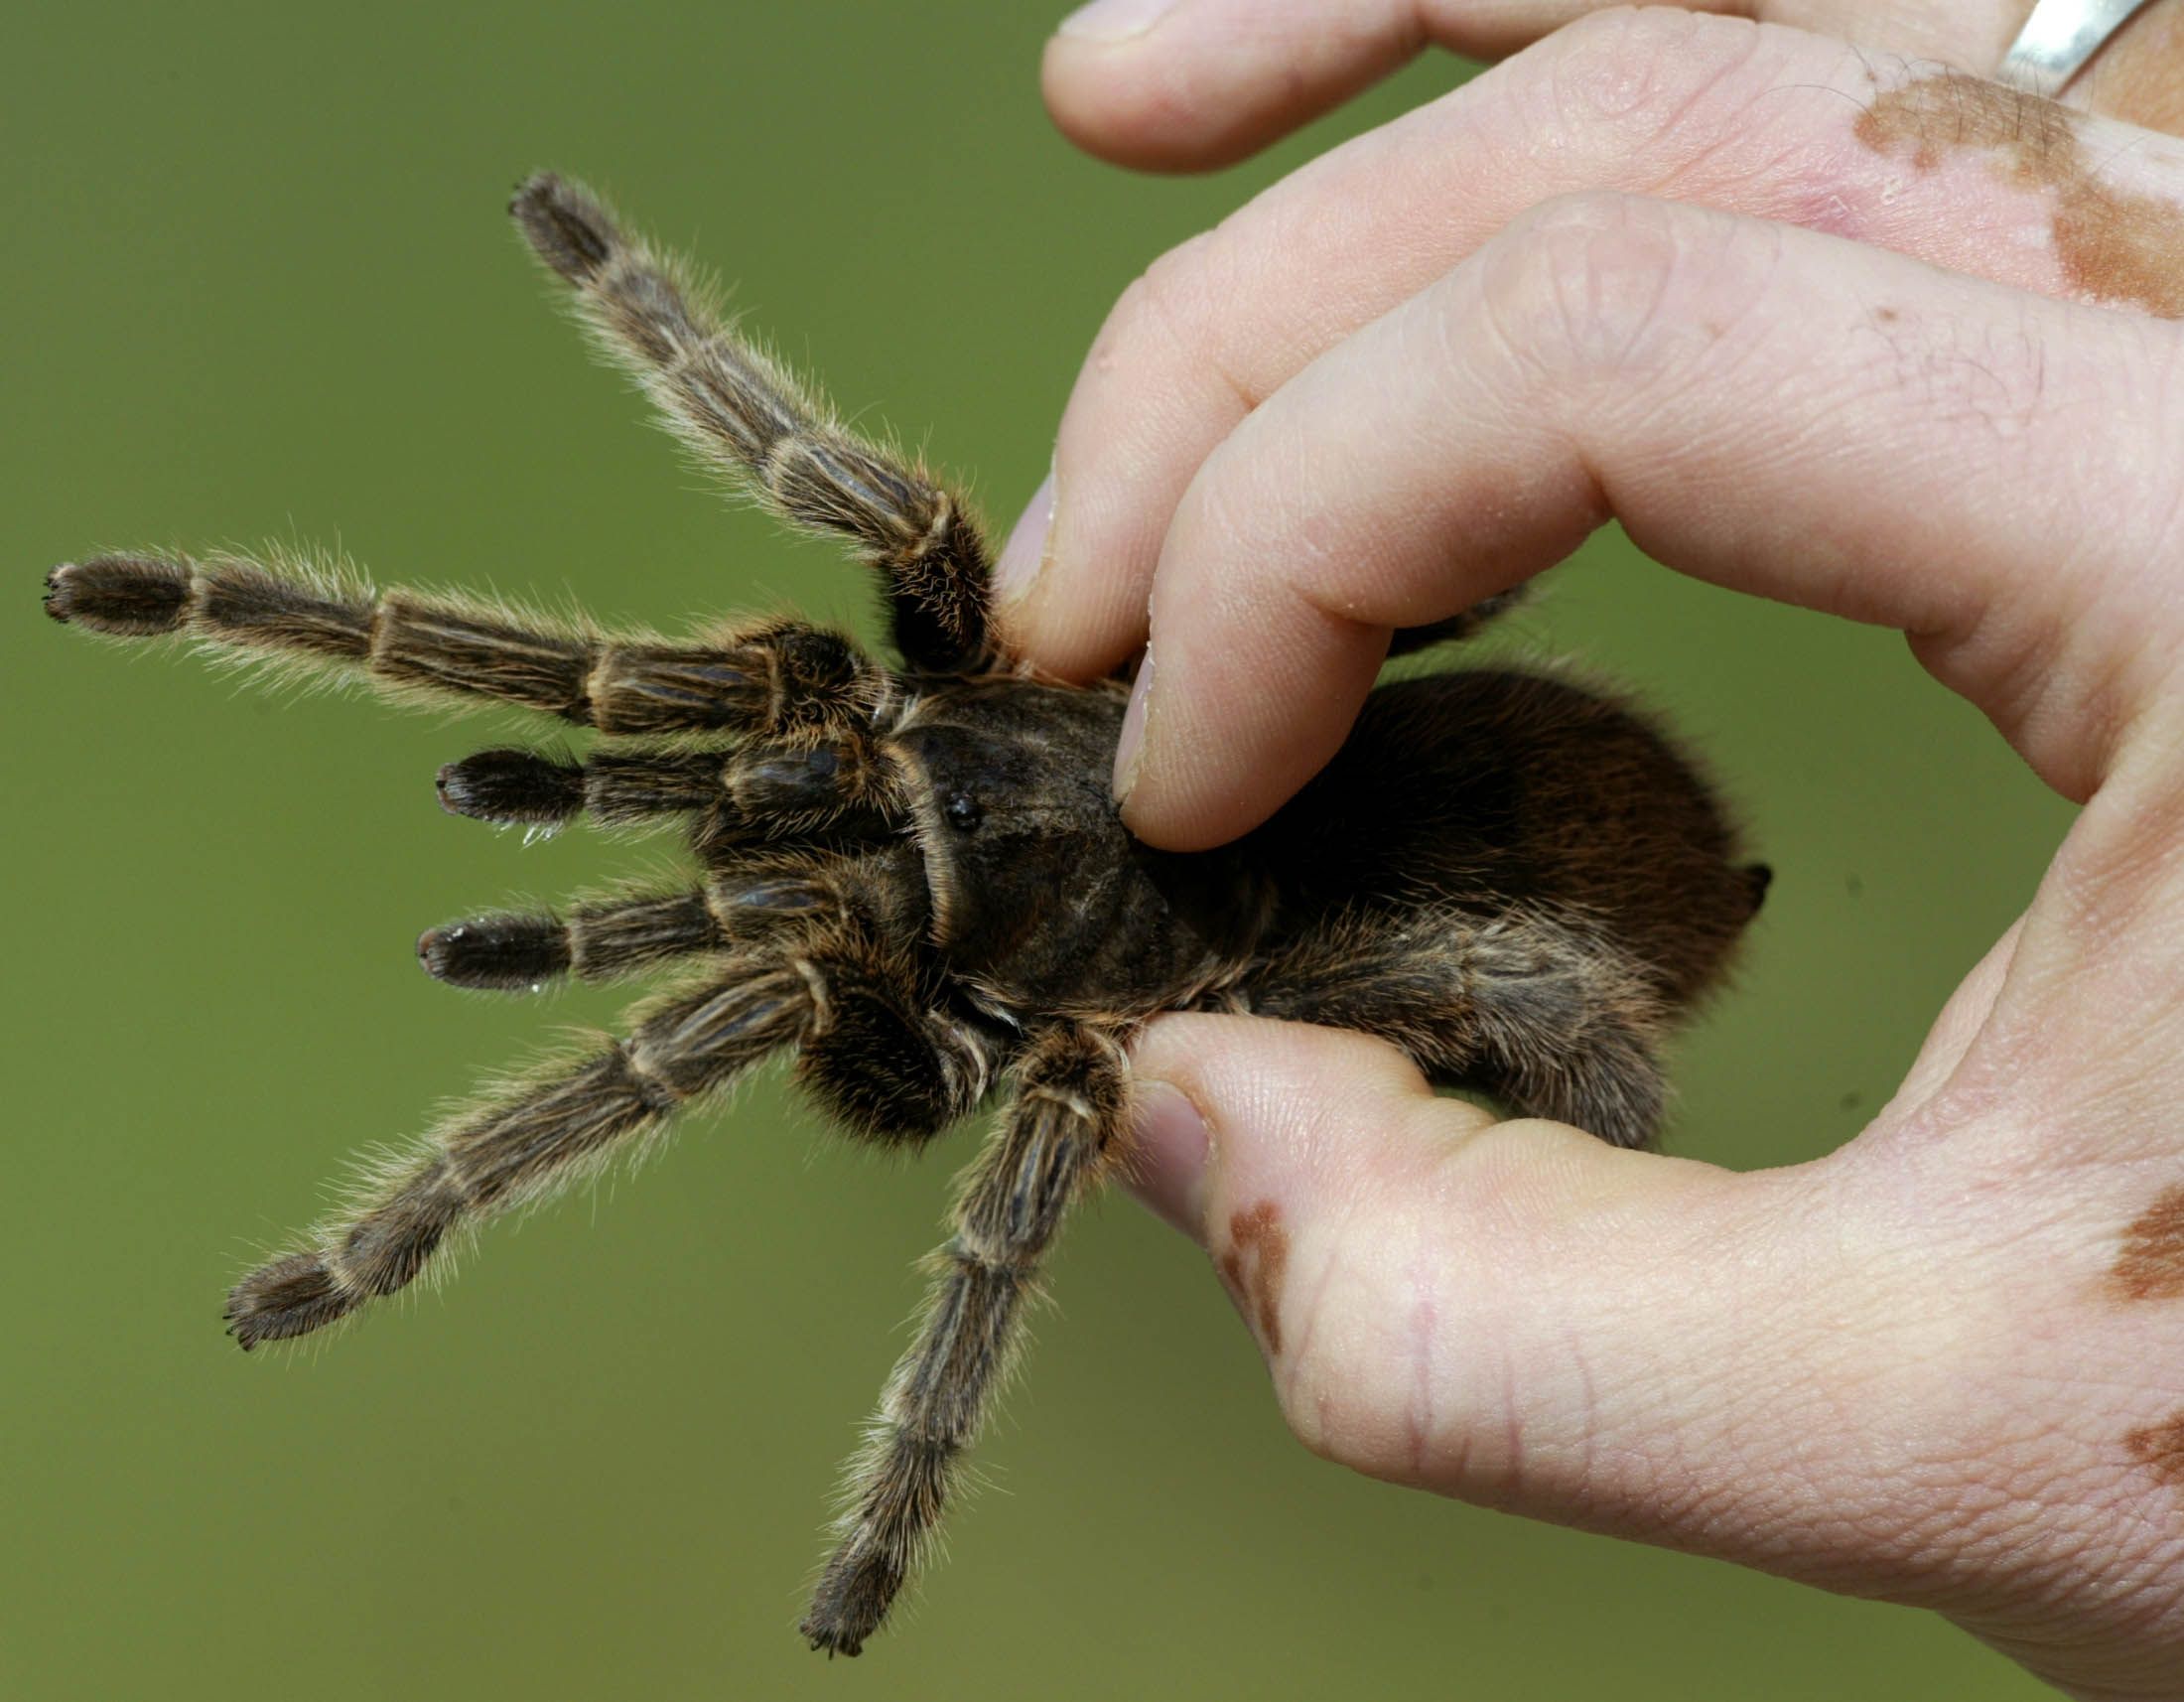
{"points": [[743, 413], [522, 1146], [837, 1000], [1052, 1145], [1529, 1006], [773, 678]]}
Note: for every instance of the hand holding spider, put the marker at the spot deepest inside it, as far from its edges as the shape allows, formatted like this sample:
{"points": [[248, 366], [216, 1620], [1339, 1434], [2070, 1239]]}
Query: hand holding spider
{"points": [[914, 880], [1861, 336]]}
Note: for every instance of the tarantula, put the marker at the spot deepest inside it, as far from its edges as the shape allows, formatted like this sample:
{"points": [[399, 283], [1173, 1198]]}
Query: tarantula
{"points": [[916, 881]]}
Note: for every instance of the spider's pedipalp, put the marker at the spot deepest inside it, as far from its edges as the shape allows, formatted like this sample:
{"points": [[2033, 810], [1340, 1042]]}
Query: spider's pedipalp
{"points": [[839, 781], [512, 788], [599, 943], [746, 415], [498, 954], [840, 784], [1052, 1145], [528, 788], [792, 899]]}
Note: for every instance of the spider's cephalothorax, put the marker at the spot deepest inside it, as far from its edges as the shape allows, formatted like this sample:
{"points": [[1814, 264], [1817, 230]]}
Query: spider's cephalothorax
{"points": [[916, 880]]}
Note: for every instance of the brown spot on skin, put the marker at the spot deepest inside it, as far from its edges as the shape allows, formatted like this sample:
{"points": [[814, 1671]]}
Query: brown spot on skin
{"points": [[2160, 1449], [2113, 244], [1950, 112], [1253, 1267], [2152, 1264]]}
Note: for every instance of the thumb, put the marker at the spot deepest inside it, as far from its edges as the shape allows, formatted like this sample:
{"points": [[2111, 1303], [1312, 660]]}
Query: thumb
{"points": [[1521, 1314]]}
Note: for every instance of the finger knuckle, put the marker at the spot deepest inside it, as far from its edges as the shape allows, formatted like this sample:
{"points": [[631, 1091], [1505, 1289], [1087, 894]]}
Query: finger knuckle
{"points": [[1639, 77], [1167, 307], [1598, 284], [1168, 328]]}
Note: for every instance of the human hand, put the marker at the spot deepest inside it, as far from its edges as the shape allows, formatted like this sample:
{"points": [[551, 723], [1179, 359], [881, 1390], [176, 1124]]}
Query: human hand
{"points": [[1179, 88], [1820, 327]]}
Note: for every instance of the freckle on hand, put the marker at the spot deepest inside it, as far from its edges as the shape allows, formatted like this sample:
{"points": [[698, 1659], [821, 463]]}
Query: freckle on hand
{"points": [[2161, 1448], [2112, 246], [1254, 1265], [2150, 1265]]}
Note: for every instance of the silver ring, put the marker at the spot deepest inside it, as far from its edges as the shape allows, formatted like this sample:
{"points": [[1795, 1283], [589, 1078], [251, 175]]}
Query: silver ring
{"points": [[2058, 38]]}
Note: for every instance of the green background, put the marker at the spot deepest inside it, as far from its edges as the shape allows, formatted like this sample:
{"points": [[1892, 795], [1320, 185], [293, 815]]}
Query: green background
{"points": [[258, 285]]}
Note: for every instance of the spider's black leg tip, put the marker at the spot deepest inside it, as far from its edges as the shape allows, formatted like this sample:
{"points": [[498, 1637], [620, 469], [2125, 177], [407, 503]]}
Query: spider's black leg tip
{"points": [[432, 949], [511, 787], [505, 953]]}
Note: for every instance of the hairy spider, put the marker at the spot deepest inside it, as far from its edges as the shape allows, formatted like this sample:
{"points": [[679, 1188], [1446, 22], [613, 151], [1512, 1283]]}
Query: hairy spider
{"points": [[917, 881]]}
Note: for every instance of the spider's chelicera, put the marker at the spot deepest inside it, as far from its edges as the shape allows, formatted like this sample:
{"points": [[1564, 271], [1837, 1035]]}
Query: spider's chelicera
{"points": [[916, 881]]}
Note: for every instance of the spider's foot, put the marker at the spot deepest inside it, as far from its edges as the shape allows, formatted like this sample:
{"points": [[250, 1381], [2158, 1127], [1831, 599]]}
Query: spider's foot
{"points": [[129, 597], [571, 231], [854, 1596], [505, 953], [292, 1296], [517, 789], [831, 1639]]}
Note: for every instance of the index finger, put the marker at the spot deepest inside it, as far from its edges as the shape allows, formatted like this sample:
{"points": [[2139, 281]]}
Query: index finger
{"points": [[1769, 408], [1755, 119], [1187, 85]]}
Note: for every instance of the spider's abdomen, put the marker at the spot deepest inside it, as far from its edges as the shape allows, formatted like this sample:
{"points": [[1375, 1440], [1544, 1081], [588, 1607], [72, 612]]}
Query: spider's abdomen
{"points": [[1495, 790]]}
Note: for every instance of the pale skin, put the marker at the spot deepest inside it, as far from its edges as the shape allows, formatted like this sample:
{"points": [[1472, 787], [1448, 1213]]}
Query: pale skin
{"points": [[1816, 326]]}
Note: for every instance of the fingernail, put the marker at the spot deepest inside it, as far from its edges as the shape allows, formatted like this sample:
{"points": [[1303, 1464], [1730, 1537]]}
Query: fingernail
{"points": [[1168, 1155], [1110, 21], [1132, 745], [1025, 553]]}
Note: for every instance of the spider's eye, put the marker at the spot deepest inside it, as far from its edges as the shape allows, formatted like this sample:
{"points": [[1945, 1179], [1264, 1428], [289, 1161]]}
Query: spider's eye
{"points": [[962, 812]]}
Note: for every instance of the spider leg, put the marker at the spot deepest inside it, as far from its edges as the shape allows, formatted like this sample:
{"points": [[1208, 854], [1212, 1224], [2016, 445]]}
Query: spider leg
{"points": [[1052, 1146], [570, 1122], [544, 1132], [1530, 1007], [743, 413], [773, 678]]}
